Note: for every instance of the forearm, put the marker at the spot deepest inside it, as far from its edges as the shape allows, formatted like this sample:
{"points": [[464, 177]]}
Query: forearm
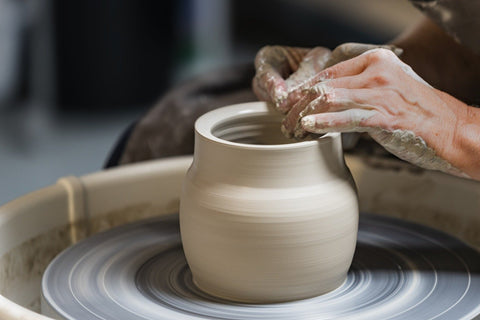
{"points": [[442, 62], [465, 148]]}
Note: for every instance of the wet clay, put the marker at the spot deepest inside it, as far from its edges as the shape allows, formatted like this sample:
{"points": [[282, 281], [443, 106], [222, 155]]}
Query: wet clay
{"points": [[266, 223]]}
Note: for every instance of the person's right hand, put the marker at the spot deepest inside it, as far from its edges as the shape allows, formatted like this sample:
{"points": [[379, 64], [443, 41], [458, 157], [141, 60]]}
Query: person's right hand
{"points": [[284, 73]]}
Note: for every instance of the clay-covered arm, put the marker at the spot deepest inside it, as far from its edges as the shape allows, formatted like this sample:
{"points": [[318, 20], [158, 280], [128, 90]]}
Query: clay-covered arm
{"points": [[379, 94], [411, 112]]}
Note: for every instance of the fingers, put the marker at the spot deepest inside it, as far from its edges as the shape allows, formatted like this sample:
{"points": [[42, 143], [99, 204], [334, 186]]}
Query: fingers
{"points": [[282, 59], [313, 62], [346, 68], [352, 120], [344, 74], [270, 87], [313, 100], [325, 99], [349, 68], [273, 65], [284, 73]]}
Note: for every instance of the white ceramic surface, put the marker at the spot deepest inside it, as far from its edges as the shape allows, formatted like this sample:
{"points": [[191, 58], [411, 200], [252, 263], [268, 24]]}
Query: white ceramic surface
{"points": [[263, 218]]}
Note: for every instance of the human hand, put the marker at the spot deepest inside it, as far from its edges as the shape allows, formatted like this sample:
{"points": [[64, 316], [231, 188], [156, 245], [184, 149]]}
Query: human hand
{"points": [[280, 70], [377, 93], [282, 73]]}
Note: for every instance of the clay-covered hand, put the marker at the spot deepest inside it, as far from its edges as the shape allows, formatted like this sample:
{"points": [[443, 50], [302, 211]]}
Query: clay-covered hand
{"points": [[283, 72], [377, 93]]}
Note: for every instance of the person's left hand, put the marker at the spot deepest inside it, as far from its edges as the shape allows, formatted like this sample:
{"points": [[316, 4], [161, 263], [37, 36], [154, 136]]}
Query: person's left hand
{"points": [[379, 94]]}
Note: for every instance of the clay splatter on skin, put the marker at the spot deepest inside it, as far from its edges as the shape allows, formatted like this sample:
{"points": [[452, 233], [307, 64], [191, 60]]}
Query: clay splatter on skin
{"points": [[412, 148], [405, 144]]}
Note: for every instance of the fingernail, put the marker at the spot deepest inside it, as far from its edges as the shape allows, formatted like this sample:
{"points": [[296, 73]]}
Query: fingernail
{"points": [[308, 122]]}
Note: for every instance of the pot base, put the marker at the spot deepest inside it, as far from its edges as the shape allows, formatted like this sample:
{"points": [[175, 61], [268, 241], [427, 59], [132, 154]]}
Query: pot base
{"points": [[138, 271], [278, 296]]}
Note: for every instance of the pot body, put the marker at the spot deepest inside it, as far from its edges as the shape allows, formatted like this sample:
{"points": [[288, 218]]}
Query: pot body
{"points": [[262, 219]]}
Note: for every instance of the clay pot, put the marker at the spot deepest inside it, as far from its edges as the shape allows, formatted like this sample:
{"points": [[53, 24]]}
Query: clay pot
{"points": [[264, 219]]}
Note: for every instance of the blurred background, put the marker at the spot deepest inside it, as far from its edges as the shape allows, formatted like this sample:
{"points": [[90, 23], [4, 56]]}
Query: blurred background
{"points": [[74, 74]]}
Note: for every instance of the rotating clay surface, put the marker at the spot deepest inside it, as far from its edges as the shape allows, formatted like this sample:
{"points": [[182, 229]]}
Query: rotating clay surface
{"points": [[138, 271]]}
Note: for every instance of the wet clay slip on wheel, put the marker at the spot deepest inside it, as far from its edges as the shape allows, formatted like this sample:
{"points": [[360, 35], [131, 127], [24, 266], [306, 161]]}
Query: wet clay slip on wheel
{"points": [[266, 219]]}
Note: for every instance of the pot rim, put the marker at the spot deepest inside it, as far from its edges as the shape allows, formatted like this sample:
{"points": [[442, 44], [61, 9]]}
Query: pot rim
{"points": [[205, 124]]}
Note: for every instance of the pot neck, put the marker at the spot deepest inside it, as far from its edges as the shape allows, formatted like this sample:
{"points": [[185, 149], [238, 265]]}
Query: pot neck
{"points": [[290, 165]]}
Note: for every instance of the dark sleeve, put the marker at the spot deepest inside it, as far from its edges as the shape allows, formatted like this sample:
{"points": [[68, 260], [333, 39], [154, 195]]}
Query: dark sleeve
{"points": [[459, 18]]}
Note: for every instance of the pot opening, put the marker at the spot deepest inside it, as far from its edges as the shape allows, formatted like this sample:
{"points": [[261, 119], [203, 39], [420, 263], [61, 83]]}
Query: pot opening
{"points": [[257, 129]]}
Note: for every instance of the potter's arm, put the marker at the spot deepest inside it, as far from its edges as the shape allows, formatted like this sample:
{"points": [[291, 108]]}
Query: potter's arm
{"points": [[379, 94], [454, 69]]}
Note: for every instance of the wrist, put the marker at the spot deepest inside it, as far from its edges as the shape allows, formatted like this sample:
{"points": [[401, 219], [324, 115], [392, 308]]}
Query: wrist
{"points": [[465, 149]]}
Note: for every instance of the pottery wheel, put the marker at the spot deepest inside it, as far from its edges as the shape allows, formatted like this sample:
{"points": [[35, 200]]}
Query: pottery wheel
{"points": [[138, 271]]}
